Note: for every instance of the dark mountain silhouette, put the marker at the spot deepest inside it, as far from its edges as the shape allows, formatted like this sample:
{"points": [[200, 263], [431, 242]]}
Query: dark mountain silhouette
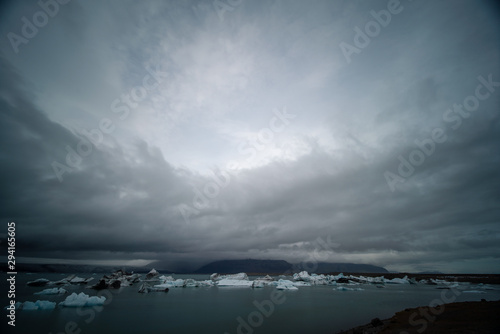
{"points": [[75, 268], [248, 266], [282, 267]]}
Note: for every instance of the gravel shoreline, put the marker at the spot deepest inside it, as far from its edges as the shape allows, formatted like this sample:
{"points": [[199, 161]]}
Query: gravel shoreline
{"points": [[460, 318]]}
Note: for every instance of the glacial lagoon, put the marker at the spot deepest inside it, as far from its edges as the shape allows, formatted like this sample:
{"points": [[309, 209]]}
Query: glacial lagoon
{"points": [[227, 309]]}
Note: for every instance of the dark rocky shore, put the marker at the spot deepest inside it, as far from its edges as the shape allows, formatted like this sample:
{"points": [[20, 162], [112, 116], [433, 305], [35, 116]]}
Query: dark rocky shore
{"points": [[460, 318]]}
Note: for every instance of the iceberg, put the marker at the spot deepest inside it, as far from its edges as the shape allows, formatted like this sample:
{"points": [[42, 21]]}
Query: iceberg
{"points": [[152, 274], [38, 305], [234, 282], [169, 282], [38, 282], [284, 284], [300, 283], [116, 280], [258, 284], [235, 277], [80, 280], [396, 280], [265, 278], [313, 279], [54, 291], [72, 279], [146, 288], [240, 279], [82, 300]]}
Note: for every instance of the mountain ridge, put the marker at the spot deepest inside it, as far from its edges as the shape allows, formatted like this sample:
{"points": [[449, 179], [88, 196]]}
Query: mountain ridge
{"points": [[281, 267]]}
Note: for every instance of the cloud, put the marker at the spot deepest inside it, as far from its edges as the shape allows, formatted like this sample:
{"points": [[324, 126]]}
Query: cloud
{"points": [[323, 175]]}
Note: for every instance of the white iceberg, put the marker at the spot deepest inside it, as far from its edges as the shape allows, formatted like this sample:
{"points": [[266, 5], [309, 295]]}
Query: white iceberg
{"points": [[240, 279], [284, 284], [178, 283], [396, 280], [313, 279], [372, 280], [302, 276], [234, 282], [81, 300], [54, 291], [166, 278], [235, 277]]}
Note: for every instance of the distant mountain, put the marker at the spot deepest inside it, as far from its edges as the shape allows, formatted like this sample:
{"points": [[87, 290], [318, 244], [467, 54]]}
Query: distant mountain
{"points": [[248, 266], [280, 267], [324, 267], [224, 266], [73, 268]]}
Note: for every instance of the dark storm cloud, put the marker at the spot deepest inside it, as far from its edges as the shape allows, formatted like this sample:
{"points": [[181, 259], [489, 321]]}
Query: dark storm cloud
{"points": [[125, 200]]}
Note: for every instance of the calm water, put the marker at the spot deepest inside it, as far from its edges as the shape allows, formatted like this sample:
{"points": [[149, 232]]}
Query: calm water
{"points": [[317, 309]]}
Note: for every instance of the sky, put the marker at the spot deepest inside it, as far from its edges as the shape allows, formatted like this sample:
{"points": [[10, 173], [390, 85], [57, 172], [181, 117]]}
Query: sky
{"points": [[191, 131]]}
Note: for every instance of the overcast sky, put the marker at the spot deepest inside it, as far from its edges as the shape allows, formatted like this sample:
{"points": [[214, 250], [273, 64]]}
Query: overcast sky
{"points": [[190, 131]]}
